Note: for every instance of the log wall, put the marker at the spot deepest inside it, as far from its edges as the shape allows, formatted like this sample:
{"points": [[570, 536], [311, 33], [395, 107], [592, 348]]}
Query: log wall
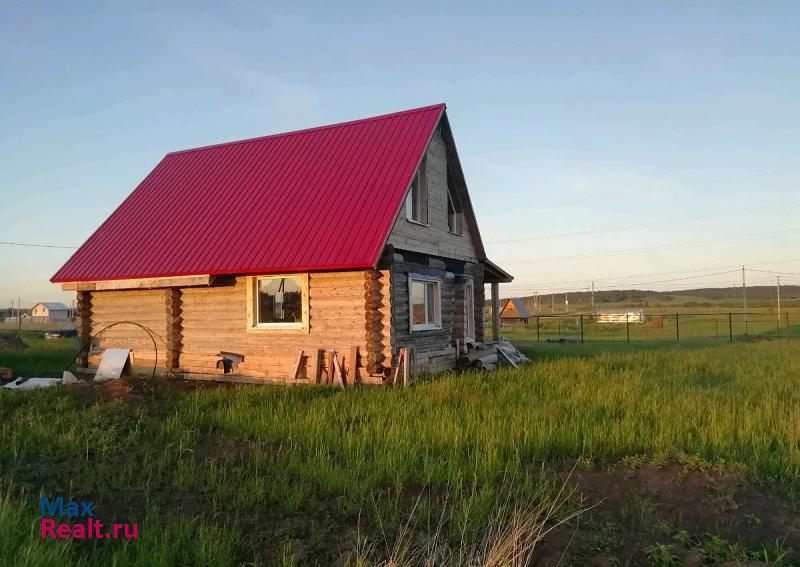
{"points": [[341, 304], [349, 312], [145, 307], [433, 350]]}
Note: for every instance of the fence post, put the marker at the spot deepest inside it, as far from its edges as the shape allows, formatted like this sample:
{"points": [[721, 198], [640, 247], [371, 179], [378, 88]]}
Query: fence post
{"points": [[677, 328], [627, 327], [788, 328], [538, 329], [581, 329], [730, 326]]}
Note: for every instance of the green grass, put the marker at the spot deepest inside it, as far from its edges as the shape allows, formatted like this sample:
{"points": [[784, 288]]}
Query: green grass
{"points": [[43, 357], [271, 473]]}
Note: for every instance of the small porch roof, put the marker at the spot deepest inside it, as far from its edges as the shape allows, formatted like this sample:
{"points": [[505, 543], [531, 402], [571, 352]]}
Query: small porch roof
{"points": [[492, 273]]}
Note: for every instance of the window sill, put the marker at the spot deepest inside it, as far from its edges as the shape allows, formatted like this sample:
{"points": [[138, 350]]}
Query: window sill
{"points": [[278, 328], [455, 233], [412, 221], [419, 328]]}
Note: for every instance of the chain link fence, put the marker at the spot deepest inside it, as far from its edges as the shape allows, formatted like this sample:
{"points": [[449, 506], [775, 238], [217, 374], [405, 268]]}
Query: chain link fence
{"points": [[675, 327]]}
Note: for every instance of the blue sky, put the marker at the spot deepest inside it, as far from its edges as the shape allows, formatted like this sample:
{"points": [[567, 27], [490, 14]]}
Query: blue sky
{"points": [[569, 117]]}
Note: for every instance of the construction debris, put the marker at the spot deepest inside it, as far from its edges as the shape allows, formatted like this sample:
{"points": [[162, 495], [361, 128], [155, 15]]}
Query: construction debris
{"points": [[69, 378], [514, 356], [487, 356], [112, 364], [32, 383]]}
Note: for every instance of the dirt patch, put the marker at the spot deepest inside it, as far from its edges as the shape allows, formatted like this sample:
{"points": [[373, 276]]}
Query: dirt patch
{"points": [[9, 342], [132, 389], [635, 509]]}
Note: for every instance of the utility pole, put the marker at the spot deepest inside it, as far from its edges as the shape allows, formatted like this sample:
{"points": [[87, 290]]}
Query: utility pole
{"points": [[744, 292], [779, 298], [566, 302], [592, 297], [553, 302], [19, 317]]}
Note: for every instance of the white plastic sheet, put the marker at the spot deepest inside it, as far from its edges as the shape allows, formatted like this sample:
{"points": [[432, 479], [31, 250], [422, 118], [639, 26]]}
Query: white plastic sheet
{"points": [[112, 364]]}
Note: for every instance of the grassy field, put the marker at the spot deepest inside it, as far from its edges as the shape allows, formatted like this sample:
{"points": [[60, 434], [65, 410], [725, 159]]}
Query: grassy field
{"points": [[451, 469], [43, 358]]}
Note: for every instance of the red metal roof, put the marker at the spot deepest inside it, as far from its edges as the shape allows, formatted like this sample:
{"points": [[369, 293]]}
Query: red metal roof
{"points": [[311, 200]]}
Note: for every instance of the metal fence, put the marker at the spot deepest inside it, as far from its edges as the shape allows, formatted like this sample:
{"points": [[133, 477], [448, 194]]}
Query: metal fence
{"points": [[657, 327]]}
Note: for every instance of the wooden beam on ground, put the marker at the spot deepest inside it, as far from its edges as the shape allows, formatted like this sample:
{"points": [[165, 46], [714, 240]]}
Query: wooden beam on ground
{"points": [[338, 375], [396, 370], [352, 366], [508, 358], [316, 364], [329, 367], [297, 365], [406, 368]]}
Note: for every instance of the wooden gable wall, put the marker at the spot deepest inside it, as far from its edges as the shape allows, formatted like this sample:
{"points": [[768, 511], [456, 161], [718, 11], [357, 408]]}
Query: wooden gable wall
{"points": [[435, 239]]}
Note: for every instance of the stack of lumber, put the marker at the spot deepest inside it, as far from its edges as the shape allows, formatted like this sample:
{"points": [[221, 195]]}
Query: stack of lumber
{"points": [[489, 356], [483, 359]]}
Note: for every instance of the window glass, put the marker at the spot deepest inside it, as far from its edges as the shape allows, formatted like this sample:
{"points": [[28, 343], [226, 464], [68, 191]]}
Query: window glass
{"points": [[412, 201], [425, 305], [430, 300], [416, 201], [280, 300], [453, 215], [418, 303]]}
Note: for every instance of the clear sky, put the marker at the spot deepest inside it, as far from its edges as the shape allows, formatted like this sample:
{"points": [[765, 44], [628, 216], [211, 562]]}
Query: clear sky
{"points": [[570, 117]]}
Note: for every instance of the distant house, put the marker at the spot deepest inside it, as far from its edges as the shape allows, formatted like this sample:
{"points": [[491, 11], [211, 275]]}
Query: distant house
{"points": [[293, 257], [620, 316], [514, 311], [49, 311]]}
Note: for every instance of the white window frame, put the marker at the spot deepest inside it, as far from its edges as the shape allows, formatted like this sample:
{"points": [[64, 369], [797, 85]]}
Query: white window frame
{"points": [[437, 303], [420, 183], [253, 305], [457, 215]]}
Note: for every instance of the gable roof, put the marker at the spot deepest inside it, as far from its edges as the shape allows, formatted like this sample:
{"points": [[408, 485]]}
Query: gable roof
{"points": [[52, 306], [522, 311], [311, 200]]}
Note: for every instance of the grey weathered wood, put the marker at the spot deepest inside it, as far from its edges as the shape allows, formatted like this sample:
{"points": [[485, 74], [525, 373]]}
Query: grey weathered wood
{"points": [[496, 311], [434, 238], [508, 358]]}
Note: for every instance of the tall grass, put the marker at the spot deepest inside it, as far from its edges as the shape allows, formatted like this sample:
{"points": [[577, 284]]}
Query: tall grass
{"points": [[313, 469]]}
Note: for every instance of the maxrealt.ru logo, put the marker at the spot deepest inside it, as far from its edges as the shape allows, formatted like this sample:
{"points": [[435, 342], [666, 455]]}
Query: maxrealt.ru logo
{"points": [[81, 523]]}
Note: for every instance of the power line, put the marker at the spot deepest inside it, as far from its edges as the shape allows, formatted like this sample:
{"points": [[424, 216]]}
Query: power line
{"points": [[622, 252], [773, 272], [28, 244], [649, 225], [582, 284]]}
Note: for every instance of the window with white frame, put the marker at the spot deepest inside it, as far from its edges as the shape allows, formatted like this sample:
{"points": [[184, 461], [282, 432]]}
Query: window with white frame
{"points": [[278, 302], [454, 215], [425, 302], [417, 198]]}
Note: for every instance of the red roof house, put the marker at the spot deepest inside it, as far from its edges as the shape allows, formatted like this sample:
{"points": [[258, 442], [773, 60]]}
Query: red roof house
{"points": [[312, 255]]}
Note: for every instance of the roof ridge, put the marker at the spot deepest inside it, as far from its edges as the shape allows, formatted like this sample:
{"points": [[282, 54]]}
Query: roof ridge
{"points": [[311, 129]]}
